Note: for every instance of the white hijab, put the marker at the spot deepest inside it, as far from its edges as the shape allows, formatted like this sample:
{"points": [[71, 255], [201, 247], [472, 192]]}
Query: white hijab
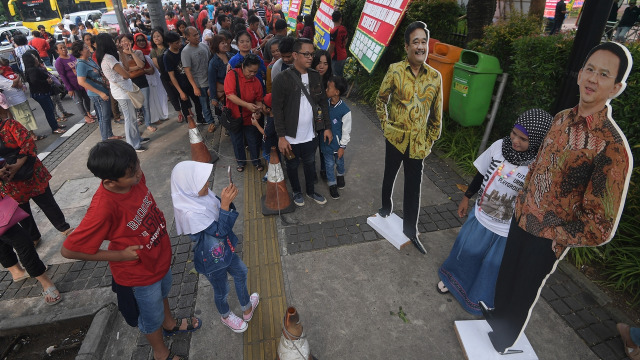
{"points": [[193, 213]]}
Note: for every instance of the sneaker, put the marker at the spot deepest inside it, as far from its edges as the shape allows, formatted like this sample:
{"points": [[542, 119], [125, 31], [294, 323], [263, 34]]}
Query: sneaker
{"points": [[333, 191], [298, 199], [141, 149], [317, 198], [254, 299], [234, 323], [340, 180], [416, 242], [144, 140]]}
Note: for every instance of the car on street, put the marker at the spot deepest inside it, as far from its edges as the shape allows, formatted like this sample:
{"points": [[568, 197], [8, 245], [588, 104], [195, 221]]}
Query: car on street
{"points": [[6, 43]]}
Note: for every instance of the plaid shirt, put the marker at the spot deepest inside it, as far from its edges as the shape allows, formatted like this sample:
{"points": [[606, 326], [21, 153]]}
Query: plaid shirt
{"points": [[575, 189]]}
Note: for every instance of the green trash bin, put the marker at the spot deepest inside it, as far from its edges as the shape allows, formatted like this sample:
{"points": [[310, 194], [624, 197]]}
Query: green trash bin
{"points": [[474, 77]]}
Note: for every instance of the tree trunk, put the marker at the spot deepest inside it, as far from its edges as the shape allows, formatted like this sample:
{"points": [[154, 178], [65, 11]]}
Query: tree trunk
{"points": [[536, 8], [185, 14], [122, 21], [479, 14], [157, 14]]}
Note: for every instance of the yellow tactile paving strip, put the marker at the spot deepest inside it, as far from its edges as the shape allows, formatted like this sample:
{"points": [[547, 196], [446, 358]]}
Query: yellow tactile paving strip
{"points": [[261, 254]]}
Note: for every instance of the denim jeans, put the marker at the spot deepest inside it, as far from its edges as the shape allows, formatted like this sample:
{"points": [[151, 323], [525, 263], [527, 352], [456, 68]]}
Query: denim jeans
{"points": [[150, 300], [621, 33], [331, 159], [307, 153], [254, 141], [206, 108], [635, 335], [131, 132], [47, 106], [218, 280], [146, 110], [103, 112], [338, 67], [82, 101], [47, 61]]}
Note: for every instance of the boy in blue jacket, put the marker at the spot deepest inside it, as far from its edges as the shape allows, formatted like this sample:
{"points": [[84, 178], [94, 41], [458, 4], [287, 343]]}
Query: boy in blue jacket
{"points": [[333, 152]]}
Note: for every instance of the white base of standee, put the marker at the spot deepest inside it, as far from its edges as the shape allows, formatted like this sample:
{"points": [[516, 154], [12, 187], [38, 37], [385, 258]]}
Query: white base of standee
{"points": [[389, 227], [476, 345]]}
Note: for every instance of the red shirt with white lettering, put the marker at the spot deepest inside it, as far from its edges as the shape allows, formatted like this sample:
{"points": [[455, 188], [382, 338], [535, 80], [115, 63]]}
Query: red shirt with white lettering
{"points": [[124, 220]]}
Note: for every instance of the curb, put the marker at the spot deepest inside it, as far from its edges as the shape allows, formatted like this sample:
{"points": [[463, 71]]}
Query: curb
{"points": [[94, 342], [10, 326]]}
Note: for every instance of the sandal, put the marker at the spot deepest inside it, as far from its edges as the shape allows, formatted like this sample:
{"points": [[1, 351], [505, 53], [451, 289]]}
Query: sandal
{"points": [[152, 128], [62, 119], [38, 137], [176, 329], [61, 126], [259, 167], [172, 356], [68, 231], [212, 128], [59, 131], [116, 137], [240, 168], [49, 293], [441, 288]]}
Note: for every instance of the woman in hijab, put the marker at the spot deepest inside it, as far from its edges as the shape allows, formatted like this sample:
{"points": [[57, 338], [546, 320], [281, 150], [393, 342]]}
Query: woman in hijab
{"points": [[208, 220], [471, 270]]}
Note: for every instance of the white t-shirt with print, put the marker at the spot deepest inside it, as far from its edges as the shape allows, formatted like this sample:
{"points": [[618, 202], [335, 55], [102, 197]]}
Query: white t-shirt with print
{"points": [[117, 82], [495, 204], [304, 132]]}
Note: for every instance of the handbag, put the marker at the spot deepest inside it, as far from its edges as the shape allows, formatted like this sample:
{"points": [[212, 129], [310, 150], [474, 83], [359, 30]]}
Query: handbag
{"points": [[226, 118], [136, 96], [10, 214]]}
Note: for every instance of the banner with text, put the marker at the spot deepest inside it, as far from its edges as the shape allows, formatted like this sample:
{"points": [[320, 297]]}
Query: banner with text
{"points": [[376, 27], [323, 23], [294, 10], [306, 9], [550, 7]]}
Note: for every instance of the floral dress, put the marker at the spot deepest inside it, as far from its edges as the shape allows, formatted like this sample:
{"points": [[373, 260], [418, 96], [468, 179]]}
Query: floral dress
{"points": [[13, 136]]}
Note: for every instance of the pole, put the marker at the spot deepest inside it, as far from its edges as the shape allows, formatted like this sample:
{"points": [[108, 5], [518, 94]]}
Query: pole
{"points": [[592, 23], [494, 110]]}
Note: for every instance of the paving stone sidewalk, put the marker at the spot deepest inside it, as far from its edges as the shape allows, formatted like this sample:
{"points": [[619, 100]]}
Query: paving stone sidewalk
{"points": [[593, 322]]}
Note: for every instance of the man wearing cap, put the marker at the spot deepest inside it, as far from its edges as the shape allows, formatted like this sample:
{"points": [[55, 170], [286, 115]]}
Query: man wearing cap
{"points": [[572, 196], [629, 18], [409, 106]]}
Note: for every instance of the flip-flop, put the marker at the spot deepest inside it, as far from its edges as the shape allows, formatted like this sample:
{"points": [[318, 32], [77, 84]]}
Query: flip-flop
{"points": [[23, 277], [443, 289], [38, 137], [59, 131], [116, 138], [176, 329], [240, 168], [50, 291]]}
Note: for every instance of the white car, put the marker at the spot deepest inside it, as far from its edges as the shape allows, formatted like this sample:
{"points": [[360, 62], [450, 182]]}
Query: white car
{"points": [[6, 45]]}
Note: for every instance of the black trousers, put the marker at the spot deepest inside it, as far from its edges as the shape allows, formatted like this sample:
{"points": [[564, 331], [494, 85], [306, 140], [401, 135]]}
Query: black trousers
{"points": [[16, 238], [305, 152], [412, 182], [527, 262], [186, 104], [51, 210], [172, 94]]}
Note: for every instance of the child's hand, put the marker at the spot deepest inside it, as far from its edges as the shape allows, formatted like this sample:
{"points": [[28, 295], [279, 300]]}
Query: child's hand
{"points": [[130, 253], [340, 153], [228, 194], [463, 208]]}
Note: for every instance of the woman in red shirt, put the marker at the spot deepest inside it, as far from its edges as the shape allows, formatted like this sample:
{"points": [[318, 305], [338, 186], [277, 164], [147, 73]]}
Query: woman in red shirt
{"points": [[249, 102]]}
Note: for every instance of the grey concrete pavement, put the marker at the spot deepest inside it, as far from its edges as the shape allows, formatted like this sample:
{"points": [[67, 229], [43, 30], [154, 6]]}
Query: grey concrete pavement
{"points": [[344, 293]]}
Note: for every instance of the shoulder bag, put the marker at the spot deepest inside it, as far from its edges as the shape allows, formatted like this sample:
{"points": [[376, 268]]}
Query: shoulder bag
{"points": [[136, 96], [317, 110], [226, 118]]}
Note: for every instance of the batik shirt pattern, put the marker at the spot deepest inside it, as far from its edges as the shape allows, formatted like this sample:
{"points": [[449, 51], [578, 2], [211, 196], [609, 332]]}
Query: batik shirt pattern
{"points": [[410, 108], [574, 192]]}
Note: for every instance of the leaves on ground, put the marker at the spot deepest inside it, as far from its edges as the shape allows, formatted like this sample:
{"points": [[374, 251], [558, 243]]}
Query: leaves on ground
{"points": [[401, 314], [462, 187]]}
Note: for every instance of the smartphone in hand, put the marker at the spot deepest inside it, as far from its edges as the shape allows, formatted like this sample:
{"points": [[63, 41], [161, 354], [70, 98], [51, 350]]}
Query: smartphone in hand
{"points": [[229, 172]]}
